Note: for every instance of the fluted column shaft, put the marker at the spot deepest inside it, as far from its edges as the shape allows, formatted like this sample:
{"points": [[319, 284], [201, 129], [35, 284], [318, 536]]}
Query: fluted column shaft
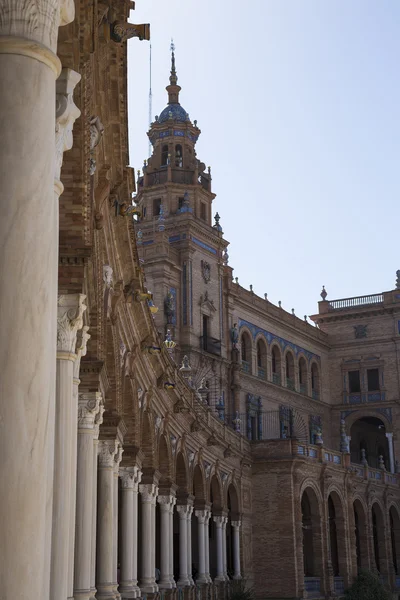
{"points": [[89, 405], [220, 557], [69, 321], [207, 545], [28, 292], [183, 510], [189, 544], [129, 477], [171, 544], [224, 561], [165, 503], [148, 495], [201, 519], [117, 461], [236, 549], [105, 520]]}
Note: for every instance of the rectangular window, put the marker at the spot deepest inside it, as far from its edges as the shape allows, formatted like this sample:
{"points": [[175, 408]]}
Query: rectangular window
{"points": [[203, 211], [205, 332], [180, 203], [354, 382], [373, 380], [156, 207]]}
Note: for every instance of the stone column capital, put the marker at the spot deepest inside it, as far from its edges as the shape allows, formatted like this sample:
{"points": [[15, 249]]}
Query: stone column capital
{"points": [[70, 309], [66, 114], [88, 407], [166, 503], [201, 515], [219, 521], [107, 452], [130, 477], [82, 338], [236, 524], [389, 435], [183, 510], [148, 492]]}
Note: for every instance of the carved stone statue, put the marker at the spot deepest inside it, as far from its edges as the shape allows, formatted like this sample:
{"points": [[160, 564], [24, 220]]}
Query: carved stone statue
{"points": [[170, 307]]}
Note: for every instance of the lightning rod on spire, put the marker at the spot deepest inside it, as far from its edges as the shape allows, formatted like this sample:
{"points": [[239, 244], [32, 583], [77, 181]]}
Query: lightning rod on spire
{"points": [[150, 103]]}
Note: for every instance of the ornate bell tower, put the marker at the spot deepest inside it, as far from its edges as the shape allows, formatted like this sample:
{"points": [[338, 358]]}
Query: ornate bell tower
{"points": [[183, 252]]}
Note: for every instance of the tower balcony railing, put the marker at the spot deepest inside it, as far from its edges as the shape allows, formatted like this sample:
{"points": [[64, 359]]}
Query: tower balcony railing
{"points": [[157, 178], [355, 302], [210, 345], [182, 176]]}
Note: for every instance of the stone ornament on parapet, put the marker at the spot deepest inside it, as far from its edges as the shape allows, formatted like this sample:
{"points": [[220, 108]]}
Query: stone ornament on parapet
{"points": [[70, 309]]}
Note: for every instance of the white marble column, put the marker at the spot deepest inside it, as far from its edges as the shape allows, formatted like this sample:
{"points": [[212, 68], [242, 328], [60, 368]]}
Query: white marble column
{"points": [[165, 503], [201, 519], [89, 405], [69, 321], [220, 558], [207, 545], [80, 350], [236, 549], [137, 479], [117, 461], [183, 510], [108, 449], [171, 544], [389, 436], [148, 495], [129, 478], [189, 544], [28, 291], [98, 422], [224, 561]]}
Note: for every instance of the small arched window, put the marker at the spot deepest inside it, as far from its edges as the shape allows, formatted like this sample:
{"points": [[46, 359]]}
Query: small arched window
{"points": [[315, 381], [178, 156], [261, 359], [276, 365], [289, 362], [164, 155], [303, 375], [245, 352]]}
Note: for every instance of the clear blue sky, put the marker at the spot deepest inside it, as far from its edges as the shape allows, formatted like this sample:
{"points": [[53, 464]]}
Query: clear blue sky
{"points": [[299, 106]]}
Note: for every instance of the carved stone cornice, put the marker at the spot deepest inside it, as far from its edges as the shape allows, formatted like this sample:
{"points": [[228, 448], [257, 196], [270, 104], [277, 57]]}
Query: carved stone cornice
{"points": [[66, 114], [88, 408], [70, 308]]}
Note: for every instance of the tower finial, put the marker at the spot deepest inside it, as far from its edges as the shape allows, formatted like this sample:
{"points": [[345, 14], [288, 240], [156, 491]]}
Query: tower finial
{"points": [[173, 78]]}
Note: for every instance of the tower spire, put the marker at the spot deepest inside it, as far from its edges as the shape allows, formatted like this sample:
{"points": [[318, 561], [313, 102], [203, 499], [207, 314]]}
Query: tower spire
{"points": [[173, 88]]}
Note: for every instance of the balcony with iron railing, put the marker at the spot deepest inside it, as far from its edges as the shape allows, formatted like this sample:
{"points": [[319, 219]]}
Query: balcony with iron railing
{"points": [[290, 384], [261, 373], [245, 366], [276, 378]]}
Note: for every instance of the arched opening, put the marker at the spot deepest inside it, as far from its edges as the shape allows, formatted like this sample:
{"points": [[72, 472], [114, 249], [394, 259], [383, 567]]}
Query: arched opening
{"points": [[178, 156], [369, 441], [216, 508], [337, 542], [289, 365], [395, 540], [245, 352], [276, 365], [199, 504], [181, 479], [378, 537], [261, 359], [315, 383], [303, 376], [312, 541], [361, 539], [164, 155]]}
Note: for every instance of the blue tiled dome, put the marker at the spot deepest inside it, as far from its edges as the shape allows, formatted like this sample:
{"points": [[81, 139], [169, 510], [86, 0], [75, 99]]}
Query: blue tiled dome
{"points": [[178, 113]]}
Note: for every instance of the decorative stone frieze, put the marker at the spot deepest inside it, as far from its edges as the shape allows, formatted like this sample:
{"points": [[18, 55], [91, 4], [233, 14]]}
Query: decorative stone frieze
{"points": [[69, 321], [66, 114]]}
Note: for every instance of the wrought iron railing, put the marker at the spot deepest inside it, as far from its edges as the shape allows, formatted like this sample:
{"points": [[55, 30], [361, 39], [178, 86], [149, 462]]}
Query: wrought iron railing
{"points": [[338, 583], [344, 303], [303, 389], [315, 395], [210, 345], [262, 425], [157, 178], [261, 373], [245, 366], [290, 384], [312, 586], [276, 378], [182, 176]]}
